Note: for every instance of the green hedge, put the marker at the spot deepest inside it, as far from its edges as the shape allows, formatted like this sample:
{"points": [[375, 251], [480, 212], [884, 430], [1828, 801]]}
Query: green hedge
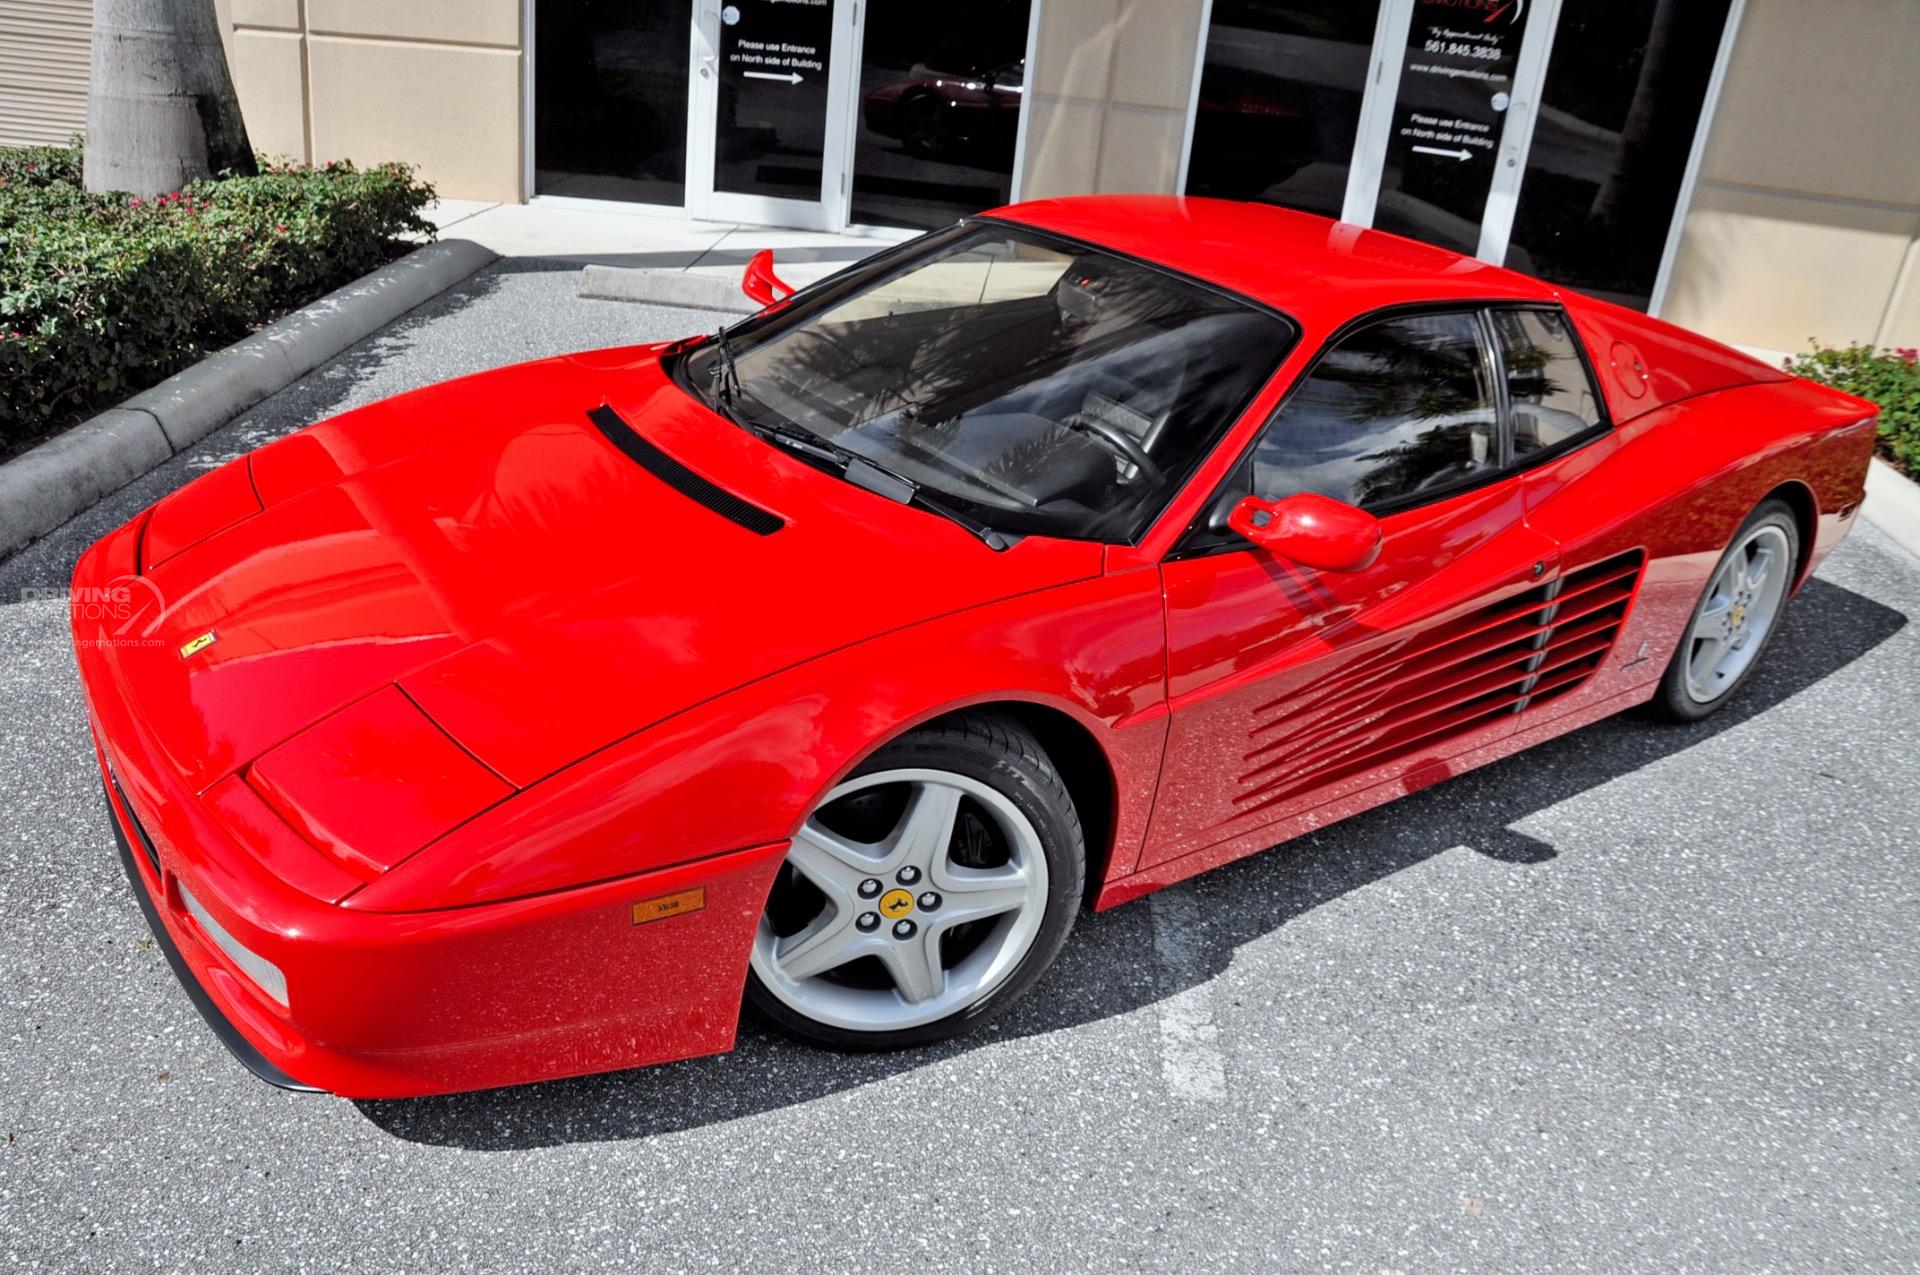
{"points": [[1890, 378], [103, 295]]}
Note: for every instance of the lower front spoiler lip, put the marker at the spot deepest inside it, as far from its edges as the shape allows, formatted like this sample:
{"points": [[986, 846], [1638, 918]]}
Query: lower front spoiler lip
{"points": [[229, 1035]]}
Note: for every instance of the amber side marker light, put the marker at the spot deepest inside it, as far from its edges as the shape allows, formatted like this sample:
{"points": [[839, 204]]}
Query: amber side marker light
{"points": [[666, 905]]}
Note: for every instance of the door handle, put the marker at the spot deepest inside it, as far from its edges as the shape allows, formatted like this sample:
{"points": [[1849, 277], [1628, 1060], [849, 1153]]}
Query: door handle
{"points": [[709, 27], [1513, 126]]}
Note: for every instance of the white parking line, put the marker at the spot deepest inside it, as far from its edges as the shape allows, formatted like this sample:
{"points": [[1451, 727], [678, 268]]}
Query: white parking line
{"points": [[1190, 1059]]}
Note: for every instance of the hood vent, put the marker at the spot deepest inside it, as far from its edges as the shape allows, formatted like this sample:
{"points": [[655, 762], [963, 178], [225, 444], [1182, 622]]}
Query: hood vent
{"points": [[733, 508], [1456, 677]]}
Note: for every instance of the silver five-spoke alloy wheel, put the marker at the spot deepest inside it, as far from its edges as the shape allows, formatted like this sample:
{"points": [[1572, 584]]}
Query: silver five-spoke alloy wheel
{"points": [[898, 899], [1744, 599]]}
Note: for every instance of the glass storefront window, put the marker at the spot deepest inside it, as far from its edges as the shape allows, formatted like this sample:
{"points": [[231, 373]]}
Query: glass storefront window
{"points": [[941, 88], [1625, 88], [926, 131], [610, 99], [1279, 102]]}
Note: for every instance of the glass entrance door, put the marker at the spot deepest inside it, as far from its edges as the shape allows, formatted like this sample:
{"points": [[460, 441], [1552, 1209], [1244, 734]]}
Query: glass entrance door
{"points": [[812, 114], [1446, 141], [767, 117], [1402, 114]]}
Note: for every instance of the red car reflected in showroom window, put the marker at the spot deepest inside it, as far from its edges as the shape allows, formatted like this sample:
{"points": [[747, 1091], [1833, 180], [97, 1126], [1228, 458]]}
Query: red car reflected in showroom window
{"points": [[532, 723], [937, 114]]}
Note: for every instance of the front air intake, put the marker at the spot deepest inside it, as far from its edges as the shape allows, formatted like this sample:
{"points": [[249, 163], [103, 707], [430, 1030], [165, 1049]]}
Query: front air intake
{"points": [[734, 509], [1440, 682]]}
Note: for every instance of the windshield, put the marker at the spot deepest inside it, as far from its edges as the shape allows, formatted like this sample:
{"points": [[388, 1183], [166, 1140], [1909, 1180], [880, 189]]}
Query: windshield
{"points": [[1040, 384]]}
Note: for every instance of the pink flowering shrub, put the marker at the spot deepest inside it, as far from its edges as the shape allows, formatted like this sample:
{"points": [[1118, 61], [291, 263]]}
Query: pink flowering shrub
{"points": [[1890, 378]]}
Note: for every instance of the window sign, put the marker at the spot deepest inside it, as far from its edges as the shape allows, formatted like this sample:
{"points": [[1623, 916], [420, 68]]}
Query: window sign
{"points": [[773, 97], [1456, 82]]}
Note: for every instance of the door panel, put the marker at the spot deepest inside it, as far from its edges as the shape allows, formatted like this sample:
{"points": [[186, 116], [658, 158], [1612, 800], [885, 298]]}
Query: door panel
{"points": [[1595, 502], [1290, 687]]}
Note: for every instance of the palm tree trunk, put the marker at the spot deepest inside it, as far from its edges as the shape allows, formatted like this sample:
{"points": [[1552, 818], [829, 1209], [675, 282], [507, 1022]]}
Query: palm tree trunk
{"points": [[161, 110]]}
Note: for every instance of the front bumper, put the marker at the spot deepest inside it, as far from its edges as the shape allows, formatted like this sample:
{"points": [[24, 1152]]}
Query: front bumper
{"points": [[390, 1004], [229, 1035]]}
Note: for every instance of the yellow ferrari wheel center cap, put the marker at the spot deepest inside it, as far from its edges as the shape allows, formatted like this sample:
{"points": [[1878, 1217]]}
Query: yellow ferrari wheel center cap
{"points": [[895, 904]]}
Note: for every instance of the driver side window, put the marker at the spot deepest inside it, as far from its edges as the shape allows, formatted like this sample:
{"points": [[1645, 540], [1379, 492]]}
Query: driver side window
{"points": [[1401, 410]]}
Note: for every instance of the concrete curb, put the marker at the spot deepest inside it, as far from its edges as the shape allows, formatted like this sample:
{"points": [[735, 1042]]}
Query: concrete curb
{"points": [[664, 287], [1893, 505], [71, 471]]}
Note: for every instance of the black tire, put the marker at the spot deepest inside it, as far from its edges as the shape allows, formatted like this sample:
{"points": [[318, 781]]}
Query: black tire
{"points": [[996, 750], [923, 127], [1672, 702]]}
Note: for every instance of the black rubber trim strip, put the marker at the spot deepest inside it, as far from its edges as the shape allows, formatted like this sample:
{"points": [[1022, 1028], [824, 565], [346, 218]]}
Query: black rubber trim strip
{"points": [[733, 508], [229, 1035], [146, 842]]}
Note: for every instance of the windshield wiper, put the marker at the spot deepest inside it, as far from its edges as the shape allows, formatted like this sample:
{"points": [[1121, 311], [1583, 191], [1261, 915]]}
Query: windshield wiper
{"points": [[876, 478], [856, 469], [726, 374], [793, 438], [882, 481]]}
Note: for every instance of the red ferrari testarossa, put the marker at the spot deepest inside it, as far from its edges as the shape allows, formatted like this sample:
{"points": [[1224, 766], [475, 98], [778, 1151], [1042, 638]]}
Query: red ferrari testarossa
{"points": [[520, 726]]}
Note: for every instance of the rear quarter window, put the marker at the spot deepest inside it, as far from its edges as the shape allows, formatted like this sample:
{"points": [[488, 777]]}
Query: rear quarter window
{"points": [[1554, 400]]}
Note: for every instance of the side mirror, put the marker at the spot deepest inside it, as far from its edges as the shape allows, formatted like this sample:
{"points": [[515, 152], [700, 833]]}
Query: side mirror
{"points": [[1312, 530], [760, 283]]}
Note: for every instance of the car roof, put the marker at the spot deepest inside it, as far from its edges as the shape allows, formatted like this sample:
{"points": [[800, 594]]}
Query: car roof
{"points": [[1321, 272]]}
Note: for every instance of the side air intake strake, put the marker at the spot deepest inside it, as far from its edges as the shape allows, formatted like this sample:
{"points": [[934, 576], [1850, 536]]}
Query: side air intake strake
{"points": [[735, 510], [1453, 678]]}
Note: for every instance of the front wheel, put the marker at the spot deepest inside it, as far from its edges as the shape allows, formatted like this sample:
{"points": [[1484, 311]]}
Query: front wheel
{"points": [[926, 892], [1736, 616], [924, 127]]}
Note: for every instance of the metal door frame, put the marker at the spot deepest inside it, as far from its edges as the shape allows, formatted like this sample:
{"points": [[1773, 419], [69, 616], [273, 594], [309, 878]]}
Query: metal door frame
{"points": [[1516, 130]]}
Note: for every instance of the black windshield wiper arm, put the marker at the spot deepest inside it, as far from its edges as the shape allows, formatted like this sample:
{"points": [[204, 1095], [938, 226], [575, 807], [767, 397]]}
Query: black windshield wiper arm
{"points": [[725, 373], [868, 475], [882, 481], [854, 468], [806, 442]]}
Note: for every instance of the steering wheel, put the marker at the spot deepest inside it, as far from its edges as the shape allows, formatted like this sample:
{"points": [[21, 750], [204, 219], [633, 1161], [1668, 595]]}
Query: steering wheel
{"points": [[1121, 444]]}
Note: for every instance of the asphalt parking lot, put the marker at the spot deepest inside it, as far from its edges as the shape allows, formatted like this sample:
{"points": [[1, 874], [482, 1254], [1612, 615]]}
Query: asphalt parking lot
{"points": [[1647, 997]]}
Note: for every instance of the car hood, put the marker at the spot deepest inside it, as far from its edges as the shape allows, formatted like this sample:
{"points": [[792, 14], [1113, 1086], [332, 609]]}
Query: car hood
{"points": [[537, 585]]}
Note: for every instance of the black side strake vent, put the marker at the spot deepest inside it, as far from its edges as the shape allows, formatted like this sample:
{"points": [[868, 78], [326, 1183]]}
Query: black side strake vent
{"points": [[683, 480]]}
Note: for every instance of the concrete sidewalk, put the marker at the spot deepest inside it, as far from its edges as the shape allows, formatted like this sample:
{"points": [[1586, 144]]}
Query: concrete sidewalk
{"points": [[620, 236]]}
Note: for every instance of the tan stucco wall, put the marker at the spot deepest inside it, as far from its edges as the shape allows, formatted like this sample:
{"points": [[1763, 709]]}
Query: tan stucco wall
{"points": [[435, 83], [1806, 219], [1109, 89]]}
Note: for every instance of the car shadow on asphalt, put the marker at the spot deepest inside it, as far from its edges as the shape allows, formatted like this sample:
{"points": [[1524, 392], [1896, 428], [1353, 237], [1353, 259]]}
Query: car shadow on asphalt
{"points": [[1108, 966]]}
